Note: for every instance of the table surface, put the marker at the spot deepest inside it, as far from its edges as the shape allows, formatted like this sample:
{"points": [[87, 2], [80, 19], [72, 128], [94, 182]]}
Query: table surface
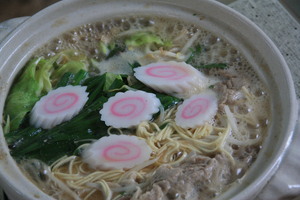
{"points": [[284, 30]]}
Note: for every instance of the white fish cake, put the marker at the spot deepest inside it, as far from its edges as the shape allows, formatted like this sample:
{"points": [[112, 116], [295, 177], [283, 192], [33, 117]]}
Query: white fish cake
{"points": [[58, 106], [116, 152], [171, 77], [127, 109], [196, 111]]}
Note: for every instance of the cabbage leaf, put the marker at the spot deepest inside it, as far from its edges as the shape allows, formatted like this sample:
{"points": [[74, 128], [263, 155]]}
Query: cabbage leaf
{"points": [[67, 61], [71, 66], [36, 80], [109, 79], [25, 92], [143, 38]]}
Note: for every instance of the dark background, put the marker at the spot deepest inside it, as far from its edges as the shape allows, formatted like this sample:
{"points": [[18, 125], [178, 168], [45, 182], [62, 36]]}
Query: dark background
{"points": [[18, 8]]}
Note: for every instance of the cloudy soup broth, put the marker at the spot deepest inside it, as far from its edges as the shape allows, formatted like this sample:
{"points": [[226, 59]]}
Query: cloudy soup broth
{"points": [[136, 107]]}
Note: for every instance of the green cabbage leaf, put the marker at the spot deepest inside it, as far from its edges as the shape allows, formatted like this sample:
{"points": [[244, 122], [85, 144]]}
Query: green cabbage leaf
{"points": [[143, 38], [36, 80], [25, 92]]}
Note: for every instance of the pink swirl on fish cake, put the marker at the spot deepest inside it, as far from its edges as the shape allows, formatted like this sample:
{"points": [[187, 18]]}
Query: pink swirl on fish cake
{"points": [[196, 107], [167, 72], [122, 151], [130, 107], [197, 110], [60, 102]]}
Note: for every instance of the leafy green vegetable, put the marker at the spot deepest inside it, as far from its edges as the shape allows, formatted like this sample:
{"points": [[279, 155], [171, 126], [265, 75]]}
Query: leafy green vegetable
{"points": [[65, 138], [134, 65], [41, 144], [55, 65], [95, 63], [109, 50], [167, 43], [142, 38], [163, 126], [191, 56], [70, 54], [36, 80], [116, 86], [71, 79], [214, 65], [48, 145], [114, 52], [6, 127], [45, 73], [66, 79], [71, 66], [79, 77], [25, 92], [141, 86], [122, 193], [103, 48], [42, 76], [78, 151], [167, 101], [109, 79], [65, 61], [211, 87], [96, 89], [197, 50], [99, 85]]}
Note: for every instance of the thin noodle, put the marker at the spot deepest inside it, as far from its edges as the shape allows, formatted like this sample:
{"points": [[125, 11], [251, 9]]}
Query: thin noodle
{"points": [[170, 145], [92, 192]]}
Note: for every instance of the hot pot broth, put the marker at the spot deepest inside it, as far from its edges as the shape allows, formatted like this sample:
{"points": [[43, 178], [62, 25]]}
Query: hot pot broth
{"points": [[194, 163]]}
